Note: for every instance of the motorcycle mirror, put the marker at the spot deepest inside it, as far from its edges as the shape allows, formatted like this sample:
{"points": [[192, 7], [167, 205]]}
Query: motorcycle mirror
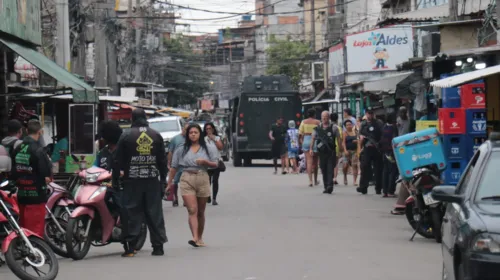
{"points": [[4, 184]]}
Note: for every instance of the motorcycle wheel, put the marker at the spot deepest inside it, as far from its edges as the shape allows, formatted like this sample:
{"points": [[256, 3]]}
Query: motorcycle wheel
{"points": [[76, 245], [421, 230], [142, 237], [437, 221], [54, 237], [20, 263]]}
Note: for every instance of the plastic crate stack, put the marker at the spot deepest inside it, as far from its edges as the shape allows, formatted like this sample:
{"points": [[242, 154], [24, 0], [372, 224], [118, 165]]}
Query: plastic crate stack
{"points": [[462, 124]]}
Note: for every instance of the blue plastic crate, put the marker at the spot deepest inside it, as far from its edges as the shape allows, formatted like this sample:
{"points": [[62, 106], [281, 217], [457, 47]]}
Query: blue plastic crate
{"points": [[451, 98], [475, 121], [418, 149], [453, 172], [455, 146], [473, 142]]}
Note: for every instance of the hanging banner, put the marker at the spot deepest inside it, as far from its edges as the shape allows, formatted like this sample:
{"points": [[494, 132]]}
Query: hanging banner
{"points": [[336, 64], [379, 49]]}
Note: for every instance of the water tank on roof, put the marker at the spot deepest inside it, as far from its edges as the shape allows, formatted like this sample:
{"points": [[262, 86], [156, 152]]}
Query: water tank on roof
{"points": [[246, 17]]}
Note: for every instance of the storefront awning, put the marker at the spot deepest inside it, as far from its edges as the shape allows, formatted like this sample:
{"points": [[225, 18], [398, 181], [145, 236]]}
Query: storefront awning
{"points": [[82, 92], [386, 84], [466, 77], [320, 102]]}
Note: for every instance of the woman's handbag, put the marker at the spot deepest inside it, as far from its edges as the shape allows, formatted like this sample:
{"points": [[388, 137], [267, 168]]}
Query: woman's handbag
{"points": [[221, 166]]}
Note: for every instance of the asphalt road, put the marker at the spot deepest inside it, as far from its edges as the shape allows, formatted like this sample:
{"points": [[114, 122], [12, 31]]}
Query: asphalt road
{"points": [[274, 227]]}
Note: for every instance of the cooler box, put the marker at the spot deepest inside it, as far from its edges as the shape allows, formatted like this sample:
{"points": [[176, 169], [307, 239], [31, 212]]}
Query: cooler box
{"points": [[451, 120], [451, 97], [473, 96], [453, 172], [476, 121], [473, 142], [418, 149], [455, 146], [421, 125]]}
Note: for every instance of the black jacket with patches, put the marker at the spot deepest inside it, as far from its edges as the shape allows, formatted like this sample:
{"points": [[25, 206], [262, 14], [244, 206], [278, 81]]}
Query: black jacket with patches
{"points": [[30, 167], [140, 154]]}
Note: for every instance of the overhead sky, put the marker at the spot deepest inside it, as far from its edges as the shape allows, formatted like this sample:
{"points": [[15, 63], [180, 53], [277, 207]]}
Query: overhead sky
{"points": [[209, 26]]}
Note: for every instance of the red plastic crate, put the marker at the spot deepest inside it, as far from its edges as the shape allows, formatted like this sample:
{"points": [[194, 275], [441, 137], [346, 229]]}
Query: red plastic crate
{"points": [[473, 96], [451, 120]]}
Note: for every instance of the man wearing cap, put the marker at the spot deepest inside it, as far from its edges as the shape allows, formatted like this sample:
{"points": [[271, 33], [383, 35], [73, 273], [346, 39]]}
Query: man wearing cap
{"points": [[140, 154], [371, 157]]}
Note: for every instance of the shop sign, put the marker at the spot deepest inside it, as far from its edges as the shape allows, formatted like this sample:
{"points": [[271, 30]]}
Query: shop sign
{"points": [[379, 49], [336, 64]]}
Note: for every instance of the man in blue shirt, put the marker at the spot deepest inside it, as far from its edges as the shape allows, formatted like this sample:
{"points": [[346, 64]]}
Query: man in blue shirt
{"points": [[175, 143]]}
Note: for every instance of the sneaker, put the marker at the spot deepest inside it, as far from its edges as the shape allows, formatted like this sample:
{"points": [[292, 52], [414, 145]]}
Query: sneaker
{"points": [[214, 203], [129, 251], [158, 251]]}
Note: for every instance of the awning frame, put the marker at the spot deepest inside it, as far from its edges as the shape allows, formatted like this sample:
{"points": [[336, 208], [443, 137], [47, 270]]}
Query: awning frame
{"points": [[465, 78], [385, 84], [82, 92]]}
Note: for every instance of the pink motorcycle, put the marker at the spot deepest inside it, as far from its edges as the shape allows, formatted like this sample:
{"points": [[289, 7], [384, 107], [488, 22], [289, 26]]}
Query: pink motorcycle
{"points": [[59, 207], [91, 222]]}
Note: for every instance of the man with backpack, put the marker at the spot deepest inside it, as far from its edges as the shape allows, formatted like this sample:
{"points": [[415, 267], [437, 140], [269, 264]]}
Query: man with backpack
{"points": [[9, 144], [326, 135]]}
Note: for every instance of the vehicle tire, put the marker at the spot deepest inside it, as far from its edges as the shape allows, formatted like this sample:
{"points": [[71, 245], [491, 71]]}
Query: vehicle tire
{"points": [[142, 237], [54, 238], [460, 272], [413, 223], [236, 159], [247, 161], [20, 268], [73, 237], [437, 220]]}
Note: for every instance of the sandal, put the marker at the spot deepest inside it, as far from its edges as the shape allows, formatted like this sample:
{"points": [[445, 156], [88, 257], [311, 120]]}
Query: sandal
{"points": [[193, 243], [200, 243]]}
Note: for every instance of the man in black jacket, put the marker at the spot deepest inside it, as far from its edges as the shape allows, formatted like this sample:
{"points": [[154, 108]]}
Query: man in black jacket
{"points": [[140, 154], [371, 157], [31, 171]]}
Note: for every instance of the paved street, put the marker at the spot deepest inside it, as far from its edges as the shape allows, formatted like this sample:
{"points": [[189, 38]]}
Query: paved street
{"points": [[274, 227]]}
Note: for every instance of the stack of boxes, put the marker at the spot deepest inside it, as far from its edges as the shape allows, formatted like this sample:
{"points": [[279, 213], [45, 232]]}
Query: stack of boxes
{"points": [[462, 123]]}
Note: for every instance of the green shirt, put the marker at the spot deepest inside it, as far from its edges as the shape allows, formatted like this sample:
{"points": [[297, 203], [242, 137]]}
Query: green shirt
{"points": [[61, 145]]}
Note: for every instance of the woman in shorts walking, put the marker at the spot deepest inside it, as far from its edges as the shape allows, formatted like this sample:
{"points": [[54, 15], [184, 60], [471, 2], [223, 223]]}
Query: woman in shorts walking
{"points": [[195, 157], [305, 131]]}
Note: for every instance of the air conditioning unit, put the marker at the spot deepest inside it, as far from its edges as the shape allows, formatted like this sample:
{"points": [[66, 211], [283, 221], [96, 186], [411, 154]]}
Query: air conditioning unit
{"points": [[318, 71]]}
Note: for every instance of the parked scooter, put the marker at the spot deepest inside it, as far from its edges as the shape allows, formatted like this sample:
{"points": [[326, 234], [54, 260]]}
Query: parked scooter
{"points": [[59, 207], [26, 254], [92, 223], [424, 214]]}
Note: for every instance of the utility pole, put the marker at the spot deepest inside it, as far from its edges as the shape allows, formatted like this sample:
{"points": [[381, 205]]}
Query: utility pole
{"points": [[313, 28], [453, 8], [138, 66], [63, 56], [105, 50], [101, 54]]}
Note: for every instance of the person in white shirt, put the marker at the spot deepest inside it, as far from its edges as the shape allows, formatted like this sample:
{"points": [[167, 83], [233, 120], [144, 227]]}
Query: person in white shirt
{"points": [[212, 138]]}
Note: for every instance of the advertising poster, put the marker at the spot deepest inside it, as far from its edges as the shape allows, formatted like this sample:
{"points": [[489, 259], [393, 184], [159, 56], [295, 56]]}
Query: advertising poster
{"points": [[379, 49], [336, 64]]}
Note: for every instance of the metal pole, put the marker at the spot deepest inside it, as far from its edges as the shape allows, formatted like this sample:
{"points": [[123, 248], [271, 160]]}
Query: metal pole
{"points": [[313, 28], [138, 68], [63, 57]]}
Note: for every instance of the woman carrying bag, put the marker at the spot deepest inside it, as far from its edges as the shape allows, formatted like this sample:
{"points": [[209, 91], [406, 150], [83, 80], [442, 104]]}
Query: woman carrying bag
{"points": [[212, 138]]}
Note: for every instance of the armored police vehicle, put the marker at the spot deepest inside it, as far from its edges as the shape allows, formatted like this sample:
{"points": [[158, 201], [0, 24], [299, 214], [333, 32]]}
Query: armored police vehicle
{"points": [[263, 99]]}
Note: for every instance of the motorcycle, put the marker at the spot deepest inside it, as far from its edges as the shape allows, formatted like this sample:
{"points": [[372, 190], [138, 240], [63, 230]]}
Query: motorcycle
{"points": [[424, 214], [59, 207], [91, 222], [22, 248]]}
